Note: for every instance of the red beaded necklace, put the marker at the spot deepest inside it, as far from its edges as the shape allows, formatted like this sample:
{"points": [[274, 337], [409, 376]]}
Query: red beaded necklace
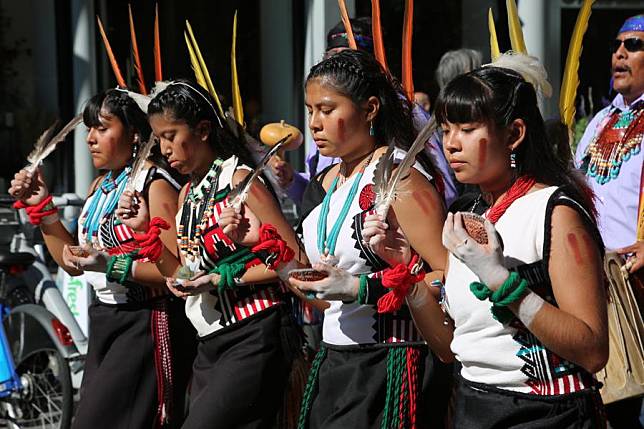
{"points": [[518, 189]]}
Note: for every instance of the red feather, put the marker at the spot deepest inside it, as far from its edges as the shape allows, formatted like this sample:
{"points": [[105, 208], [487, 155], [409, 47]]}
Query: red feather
{"points": [[408, 28], [135, 54], [376, 29], [115, 67], [158, 75], [347, 25]]}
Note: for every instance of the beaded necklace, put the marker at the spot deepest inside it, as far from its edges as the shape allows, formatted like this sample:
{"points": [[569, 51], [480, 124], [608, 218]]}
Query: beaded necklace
{"points": [[103, 203], [326, 244], [619, 139], [197, 208]]}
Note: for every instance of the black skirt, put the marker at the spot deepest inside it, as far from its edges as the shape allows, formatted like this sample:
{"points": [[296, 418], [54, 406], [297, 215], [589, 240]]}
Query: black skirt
{"points": [[352, 384], [479, 406], [119, 388], [241, 372]]}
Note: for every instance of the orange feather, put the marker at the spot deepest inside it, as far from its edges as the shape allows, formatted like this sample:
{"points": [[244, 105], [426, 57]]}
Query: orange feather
{"points": [[135, 54], [347, 25], [158, 75], [376, 29], [408, 29], [115, 67]]}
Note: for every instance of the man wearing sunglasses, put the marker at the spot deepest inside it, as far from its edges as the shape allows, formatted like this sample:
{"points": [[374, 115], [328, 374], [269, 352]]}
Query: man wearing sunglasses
{"points": [[610, 154]]}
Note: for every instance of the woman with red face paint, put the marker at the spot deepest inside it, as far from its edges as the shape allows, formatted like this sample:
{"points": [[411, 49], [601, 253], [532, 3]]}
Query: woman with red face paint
{"points": [[373, 369], [234, 298], [136, 369], [524, 282]]}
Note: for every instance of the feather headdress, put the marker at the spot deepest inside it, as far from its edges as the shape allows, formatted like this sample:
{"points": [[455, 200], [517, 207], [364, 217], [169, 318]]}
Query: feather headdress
{"points": [[46, 144], [386, 194], [237, 100], [407, 71], [198, 63], [570, 81], [110, 55], [347, 25], [135, 53], [376, 30], [158, 73], [514, 24], [527, 66], [495, 52]]}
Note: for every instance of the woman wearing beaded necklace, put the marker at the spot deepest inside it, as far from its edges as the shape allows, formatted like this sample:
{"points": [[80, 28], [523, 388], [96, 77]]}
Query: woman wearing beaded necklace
{"points": [[524, 287], [246, 338], [372, 368], [134, 322]]}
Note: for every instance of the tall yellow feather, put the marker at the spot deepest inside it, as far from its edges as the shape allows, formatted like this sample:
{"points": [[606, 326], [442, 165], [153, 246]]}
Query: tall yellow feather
{"points": [[495, 52], [238, 108], [570, 80], [514, 24], [195, 63], [204, 69]]}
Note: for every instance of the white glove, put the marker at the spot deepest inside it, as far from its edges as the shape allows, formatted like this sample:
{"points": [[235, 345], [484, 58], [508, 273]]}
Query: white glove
{"points": [[486, 261], [340, 285]]}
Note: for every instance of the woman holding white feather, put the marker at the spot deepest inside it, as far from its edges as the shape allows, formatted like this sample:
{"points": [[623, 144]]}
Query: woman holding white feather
{"points": [[227, 275], [372, 357], [135, 325], [524, 282]]}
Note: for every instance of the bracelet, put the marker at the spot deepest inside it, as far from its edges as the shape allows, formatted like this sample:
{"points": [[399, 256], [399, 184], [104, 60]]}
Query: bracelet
{"points": [[362, 289], [509, 292], [118, 268]]}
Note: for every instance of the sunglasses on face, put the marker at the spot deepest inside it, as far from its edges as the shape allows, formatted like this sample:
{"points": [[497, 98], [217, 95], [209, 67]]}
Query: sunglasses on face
{"points": [[632, 44]]}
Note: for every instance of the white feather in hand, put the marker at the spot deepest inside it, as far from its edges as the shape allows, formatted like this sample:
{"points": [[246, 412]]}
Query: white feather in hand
{"points": [[46, 143], [138, 166], [386, 195]]}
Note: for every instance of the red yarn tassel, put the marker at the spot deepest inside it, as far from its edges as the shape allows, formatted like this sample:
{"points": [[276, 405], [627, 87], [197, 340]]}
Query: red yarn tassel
{"points": [[271, 241], [35, 212], [399, 279], [150, 243]]}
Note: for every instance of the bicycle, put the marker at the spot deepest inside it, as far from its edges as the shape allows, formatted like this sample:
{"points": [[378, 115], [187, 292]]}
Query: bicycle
{"points": [[41, 344]]}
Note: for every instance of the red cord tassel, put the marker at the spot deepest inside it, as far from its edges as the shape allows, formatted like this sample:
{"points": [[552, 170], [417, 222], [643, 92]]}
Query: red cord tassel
{"points": [[35, 212], [150, 243], [271, 241], [399, 279]]}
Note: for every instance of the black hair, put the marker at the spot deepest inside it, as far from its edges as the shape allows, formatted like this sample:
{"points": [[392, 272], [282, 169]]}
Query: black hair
{"points": [[187, 101], [119, 104], [116, 103], [498, 96], [361, 27], [358, 76]]}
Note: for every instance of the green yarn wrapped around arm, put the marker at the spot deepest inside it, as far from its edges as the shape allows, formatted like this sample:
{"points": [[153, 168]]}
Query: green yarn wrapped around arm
{"points": [[509, 292]]}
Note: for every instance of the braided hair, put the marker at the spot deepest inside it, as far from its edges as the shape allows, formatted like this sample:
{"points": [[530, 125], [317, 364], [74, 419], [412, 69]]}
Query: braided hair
{"points": [[358, 76], [498, 96], [188, 102]]}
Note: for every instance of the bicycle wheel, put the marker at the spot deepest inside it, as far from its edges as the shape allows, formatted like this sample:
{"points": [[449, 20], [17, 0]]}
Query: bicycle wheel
{"points": [[46, 400]]}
